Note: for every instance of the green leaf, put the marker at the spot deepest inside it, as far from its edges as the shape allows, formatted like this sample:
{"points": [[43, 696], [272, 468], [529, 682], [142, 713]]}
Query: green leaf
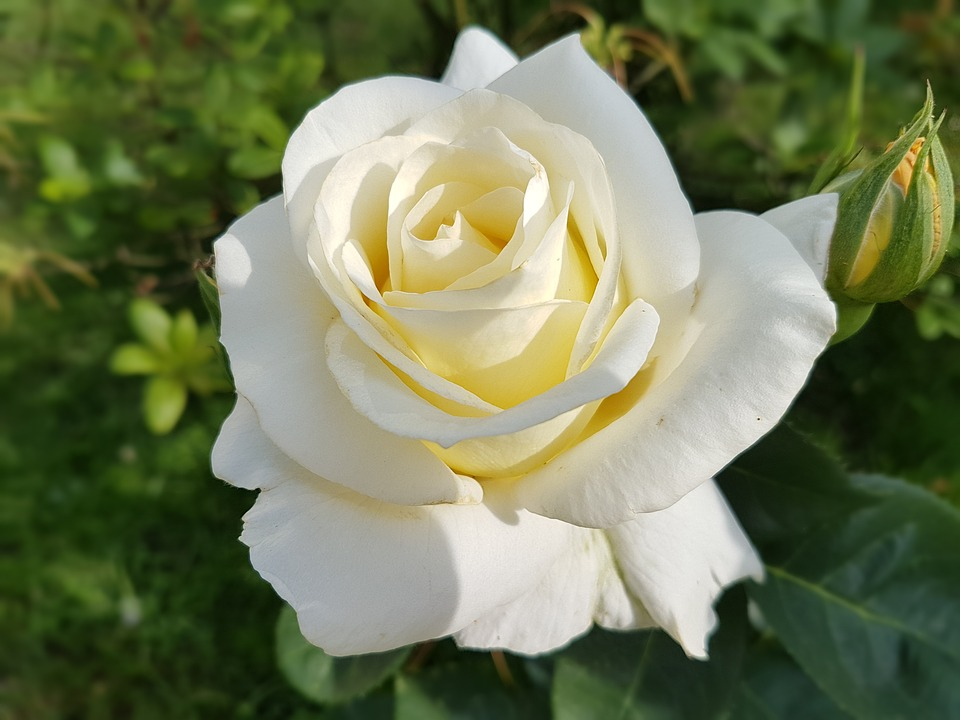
{"points": [[64, 189], [255, 162], [134, 359], [646, 676], [268, 126], [81, 225], [784, 488], [466, 689], [863, 578], [849, 129], [164, 401], [775, 688], [183, 333], [118, 168], [243, 196], [324, 678], [59, 158], [379, 706], [723, 49], [690, 18], [138, 69], [151, 323]]}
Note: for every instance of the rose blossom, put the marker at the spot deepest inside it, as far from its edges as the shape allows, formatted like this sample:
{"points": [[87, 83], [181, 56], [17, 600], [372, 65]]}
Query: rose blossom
{"points": [[487, 362]]}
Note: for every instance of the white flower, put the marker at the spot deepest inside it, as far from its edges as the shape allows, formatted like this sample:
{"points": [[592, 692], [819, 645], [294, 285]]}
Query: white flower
{"points": [[488, 362]]}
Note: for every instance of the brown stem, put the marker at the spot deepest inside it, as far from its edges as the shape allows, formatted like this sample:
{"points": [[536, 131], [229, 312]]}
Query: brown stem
{"points": [[502, 668]]}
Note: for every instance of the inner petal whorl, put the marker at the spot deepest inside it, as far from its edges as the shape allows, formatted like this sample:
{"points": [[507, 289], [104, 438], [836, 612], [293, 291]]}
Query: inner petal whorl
{"points": [[484, 280]]}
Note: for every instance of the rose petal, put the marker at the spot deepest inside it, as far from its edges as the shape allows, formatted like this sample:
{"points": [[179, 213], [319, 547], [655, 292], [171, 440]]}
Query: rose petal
{"points": [[556, 269], [380, 337], [367, 576], [486, 159], [355, 115], [808, 224], [660, 249], [274, 320], [677, 561], [241, 449], [478, 59], [565, 155], [760, 320], [377, 392], [439, 244], [581, 588]]}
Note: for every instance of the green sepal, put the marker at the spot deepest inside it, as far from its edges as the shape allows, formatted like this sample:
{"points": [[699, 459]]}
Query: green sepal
{"points": [[945, 203], [851, 317], [210, 294]]}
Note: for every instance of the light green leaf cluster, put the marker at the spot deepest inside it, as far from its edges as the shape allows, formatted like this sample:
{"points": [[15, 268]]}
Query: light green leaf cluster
{"points": [[177, 356]]}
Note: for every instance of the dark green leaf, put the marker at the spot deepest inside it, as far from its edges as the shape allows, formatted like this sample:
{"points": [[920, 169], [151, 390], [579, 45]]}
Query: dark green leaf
{"points": [[646, 676], [775, 688], [378, 706], [863, 578], [784, 487], [325, 678], [468, 688]]}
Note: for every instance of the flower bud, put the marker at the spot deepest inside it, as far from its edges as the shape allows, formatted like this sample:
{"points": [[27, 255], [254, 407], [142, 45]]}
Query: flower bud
{"points": [[894, 217]]}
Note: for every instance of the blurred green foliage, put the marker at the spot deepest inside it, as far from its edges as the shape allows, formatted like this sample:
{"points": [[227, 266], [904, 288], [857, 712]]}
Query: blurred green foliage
{"points": [[176, 355], [133, 131]]}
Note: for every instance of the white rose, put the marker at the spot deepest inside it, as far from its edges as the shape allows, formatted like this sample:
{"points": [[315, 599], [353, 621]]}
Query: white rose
{"points": [[487, 362]]}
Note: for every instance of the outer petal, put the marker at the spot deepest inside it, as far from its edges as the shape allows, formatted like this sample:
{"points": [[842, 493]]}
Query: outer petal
{"points": [[581, 588], [275, 318], [808, 224], [478, 59], [352, 116], [241, 449], [367, 576], [677, 562], [760, 320], [660, 249]]}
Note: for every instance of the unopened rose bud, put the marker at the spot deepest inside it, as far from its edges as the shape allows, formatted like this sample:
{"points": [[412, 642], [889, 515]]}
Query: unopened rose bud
{"points": [[894, 218]]}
